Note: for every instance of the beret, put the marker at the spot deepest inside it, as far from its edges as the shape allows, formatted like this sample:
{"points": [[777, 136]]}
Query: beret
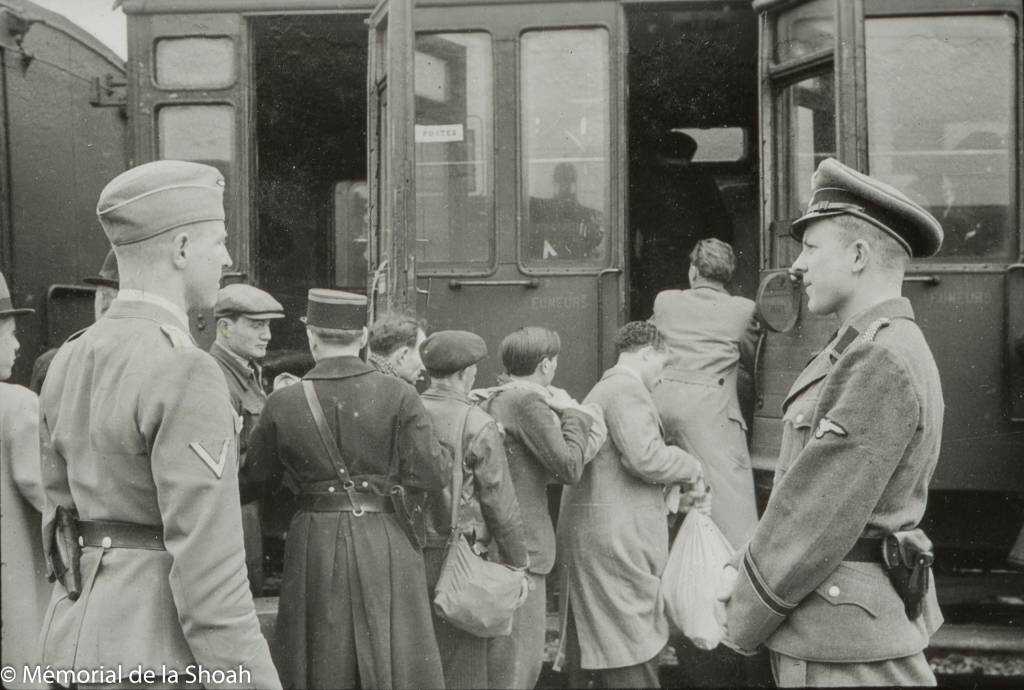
{"points": [[108, 276], [6, 305], [335, 310], [447, 352], [838, 189], [247, 300], [157, 197]]}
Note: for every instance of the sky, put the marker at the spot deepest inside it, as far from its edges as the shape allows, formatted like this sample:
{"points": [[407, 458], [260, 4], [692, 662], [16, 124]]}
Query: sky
{"points": [[96, 17]]}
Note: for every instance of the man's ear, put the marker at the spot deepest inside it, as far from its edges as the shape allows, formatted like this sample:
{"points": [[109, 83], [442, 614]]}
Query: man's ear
{"points": [[401, 352], [862, 255], [181, 246]]}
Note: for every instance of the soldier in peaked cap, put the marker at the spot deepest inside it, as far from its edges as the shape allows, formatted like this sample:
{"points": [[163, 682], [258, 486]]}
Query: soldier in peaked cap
{"points": [[862, 426], [354, 444], [243, 314], [140, 455]]}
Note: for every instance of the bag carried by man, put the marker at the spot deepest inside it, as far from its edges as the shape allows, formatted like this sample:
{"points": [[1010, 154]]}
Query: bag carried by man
{"points": [[474, 594]]}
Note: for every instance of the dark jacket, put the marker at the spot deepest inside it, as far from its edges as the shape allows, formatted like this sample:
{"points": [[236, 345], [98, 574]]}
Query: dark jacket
{"points": [[247, 398], [488, 505], [542, 448]]}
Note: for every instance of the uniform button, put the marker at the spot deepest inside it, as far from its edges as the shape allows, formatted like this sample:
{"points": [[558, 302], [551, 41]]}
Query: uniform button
{"points": [[341, 471], [330, 489], [106, 542], [721, 382], [365, 484], [833, 591], [799, 418]]}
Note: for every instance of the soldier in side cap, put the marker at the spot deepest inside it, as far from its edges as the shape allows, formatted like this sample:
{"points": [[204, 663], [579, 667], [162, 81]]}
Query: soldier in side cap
{"points": [[488, 507], [821, 582], [356, 446], [140, 455], [243, 314], [106, 284]]}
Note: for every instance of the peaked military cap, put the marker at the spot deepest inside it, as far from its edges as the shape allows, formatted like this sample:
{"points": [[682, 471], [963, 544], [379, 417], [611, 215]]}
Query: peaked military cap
{"points": [[838, 189], [157, 197], [247, 300], [447, 352], [335, 310], [6, 305], [108, 276]]}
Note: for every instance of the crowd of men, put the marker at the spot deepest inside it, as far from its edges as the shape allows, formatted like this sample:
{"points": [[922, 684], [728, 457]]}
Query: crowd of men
{"points": [[152, 455]]}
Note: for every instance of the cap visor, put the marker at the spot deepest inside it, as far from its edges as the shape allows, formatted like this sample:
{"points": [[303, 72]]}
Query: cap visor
{"points": [[101, 282]]}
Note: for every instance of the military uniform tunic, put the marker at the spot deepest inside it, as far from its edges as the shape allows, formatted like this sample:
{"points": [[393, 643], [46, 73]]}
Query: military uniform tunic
{"points": [[136, 427], [861, 432]]}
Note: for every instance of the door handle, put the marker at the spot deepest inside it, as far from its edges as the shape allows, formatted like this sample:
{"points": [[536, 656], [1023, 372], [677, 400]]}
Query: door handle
{"points": [[927, 280], [529, 284]]}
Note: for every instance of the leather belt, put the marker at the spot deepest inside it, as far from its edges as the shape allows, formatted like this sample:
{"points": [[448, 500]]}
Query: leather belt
{"points": [[341, 503], [866, 550], [110, 534]]}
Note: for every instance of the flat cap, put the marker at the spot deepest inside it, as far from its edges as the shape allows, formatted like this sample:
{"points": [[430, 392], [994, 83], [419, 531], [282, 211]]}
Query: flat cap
{"points": [[447, 352], [6, 305], [838, 189], [335, 310], [247, 300], [157, 197], [108, 275]]}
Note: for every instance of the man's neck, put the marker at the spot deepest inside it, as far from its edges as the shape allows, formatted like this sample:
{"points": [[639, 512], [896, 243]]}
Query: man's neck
{"points": [[627, 362], [242, 359], [175, 307], [536, 377], [699, 282], [868, 297]]}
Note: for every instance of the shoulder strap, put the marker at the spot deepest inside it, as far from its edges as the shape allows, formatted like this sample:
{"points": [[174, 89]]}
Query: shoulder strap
{"points": [[325, 431], [456, 484]]}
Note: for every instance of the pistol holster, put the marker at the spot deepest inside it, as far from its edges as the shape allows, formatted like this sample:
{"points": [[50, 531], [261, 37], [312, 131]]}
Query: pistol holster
{"points": [[908, 557]]}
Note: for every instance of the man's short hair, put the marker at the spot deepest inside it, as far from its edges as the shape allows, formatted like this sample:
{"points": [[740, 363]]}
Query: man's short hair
{"points": [[337, 338], [393, 330], [713, 259], [522, 350], [637, 334], [891, 255]]}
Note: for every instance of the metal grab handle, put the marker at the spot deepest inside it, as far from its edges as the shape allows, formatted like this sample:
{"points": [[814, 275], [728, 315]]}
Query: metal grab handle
{"points": [[530, 284], [927, 280]]}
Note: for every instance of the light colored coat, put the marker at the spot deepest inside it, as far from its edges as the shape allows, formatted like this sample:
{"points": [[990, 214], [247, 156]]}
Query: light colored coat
{"points": [[710, 332], [862, 427], [612, 532], [24, 590]]}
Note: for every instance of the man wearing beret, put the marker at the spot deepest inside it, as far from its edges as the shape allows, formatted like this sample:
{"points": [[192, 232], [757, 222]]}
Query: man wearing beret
{"points": [[106, 290], [140, 457], [862, 426], [488, 507], [243, 314], [353, 444]]}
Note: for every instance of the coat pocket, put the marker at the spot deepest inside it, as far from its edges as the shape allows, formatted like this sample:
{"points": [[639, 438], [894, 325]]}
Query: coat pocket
{"points": [[847, 587]]}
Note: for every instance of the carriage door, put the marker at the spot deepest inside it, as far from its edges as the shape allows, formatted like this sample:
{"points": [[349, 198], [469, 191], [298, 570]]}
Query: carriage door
{"points": [[518, 170]]}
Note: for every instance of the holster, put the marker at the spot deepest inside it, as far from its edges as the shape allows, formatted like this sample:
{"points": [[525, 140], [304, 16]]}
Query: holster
{"points": [[66, 552], [409, 514], [908, 557]]}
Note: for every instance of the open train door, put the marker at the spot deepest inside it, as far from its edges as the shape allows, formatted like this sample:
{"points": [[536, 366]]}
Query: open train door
{"points": [[392, 203]]}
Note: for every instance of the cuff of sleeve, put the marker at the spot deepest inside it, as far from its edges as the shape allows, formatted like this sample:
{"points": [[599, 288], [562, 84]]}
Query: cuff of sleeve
{"points": [[754, 612]]}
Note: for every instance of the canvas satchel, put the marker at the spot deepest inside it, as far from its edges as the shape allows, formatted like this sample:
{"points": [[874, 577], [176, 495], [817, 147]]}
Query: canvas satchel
{"points": [[474, 594]]}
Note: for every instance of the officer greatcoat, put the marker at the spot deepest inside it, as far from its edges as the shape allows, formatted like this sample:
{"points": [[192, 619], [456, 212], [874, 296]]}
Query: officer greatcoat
{"points": [[845, 471], [136, 427], [710, 332]]}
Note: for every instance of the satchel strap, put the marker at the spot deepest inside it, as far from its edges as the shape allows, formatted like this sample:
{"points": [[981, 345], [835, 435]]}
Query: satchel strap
{"points": [[456, 483]]}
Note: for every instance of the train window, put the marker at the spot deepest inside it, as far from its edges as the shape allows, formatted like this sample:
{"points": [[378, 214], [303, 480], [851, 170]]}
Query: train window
{"points": [[806, 115], [804, 30], [566, 166], [454, 133], [719, 144], [351, 233], [196, 132], [952, 149], [195, 63]]}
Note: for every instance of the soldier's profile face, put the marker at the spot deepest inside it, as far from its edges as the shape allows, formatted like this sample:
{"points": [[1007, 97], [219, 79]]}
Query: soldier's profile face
{"points": [[207, 258], [8, 347], [825, 266]]}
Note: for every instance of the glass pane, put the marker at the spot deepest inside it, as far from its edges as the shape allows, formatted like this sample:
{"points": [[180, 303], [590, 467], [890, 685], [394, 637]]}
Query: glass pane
{"points": [[718, 144], [454, 144], [351, 233], [941, 97], [195, 63], [806, 117], [805, 29], [196, 132], [566, 161]]}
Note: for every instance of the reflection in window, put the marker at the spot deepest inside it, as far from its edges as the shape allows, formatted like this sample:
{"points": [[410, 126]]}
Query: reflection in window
{"points": [[807, 121], [351, 233], [195, 63], [196, 132], [565, 132], [454, 144], [805, 29], [951, 149], [718, 144]]}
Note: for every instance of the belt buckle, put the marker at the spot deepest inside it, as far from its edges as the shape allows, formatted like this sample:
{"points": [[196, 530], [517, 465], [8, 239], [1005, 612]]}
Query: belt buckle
{"points": [[357, 508]]}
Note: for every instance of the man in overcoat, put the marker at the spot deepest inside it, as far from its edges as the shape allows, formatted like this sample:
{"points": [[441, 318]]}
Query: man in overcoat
{"points": [[139, 444], [353, 608], [612, 537], [862, 426], [243, 314]]}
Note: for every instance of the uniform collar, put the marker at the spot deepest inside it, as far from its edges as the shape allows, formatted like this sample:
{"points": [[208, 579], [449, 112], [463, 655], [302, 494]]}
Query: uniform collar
{"points": [[713, 288], [242, 365], [617, 369], [131, 295], [444, 391], [338, 368], [895, 308]]}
